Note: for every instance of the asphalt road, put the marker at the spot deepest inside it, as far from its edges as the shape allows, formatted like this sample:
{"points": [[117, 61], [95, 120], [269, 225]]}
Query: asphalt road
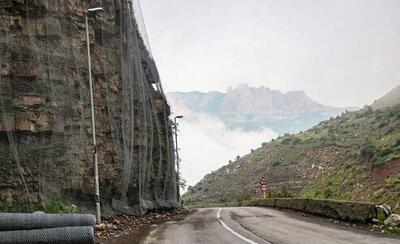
{"points": [[255, 225]]}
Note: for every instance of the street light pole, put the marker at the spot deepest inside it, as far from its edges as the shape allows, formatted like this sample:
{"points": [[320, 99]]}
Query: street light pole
{"points": [[95, 163], [177, 153]]}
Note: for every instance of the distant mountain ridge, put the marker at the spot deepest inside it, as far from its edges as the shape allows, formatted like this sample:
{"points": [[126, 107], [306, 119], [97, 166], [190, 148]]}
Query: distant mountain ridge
{"points": [[254, 108]]}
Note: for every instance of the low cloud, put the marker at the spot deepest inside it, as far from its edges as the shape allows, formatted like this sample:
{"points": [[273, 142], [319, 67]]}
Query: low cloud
{"points": [[207, 143]]}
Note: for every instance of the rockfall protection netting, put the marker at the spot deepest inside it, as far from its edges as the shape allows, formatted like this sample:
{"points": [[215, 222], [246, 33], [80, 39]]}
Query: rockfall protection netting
{"points": [[45, 129]]}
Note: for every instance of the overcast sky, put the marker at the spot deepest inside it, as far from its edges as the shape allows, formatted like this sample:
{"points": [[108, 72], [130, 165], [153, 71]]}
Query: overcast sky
{"points": [[340, 52]]}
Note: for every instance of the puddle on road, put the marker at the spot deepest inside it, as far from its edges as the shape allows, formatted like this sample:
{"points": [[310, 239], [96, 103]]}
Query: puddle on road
{"points": [[236, 216], [135, 237], [170, 222]]}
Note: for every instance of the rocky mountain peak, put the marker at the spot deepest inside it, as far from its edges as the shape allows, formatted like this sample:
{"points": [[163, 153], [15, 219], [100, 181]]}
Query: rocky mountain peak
{"points": [[253, 108]]}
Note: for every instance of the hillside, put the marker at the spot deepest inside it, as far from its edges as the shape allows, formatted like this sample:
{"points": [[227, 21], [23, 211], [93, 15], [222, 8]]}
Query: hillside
{"points": [[390, 99], [253, 108], [355, 156]]}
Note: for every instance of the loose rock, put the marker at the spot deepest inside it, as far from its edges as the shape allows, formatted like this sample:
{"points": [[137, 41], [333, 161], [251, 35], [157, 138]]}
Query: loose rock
{"points": [[117, 226], [393, 220]]}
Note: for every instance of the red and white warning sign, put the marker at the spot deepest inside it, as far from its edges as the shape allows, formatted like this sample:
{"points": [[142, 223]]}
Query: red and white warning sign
{"points": [[264, 184]]}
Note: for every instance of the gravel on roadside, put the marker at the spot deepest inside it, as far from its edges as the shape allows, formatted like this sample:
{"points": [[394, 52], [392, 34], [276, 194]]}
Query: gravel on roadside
{"points": [[117, 226]]}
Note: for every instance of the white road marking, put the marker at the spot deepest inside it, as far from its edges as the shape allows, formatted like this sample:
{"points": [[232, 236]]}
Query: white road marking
{"points": [[232, 231]]}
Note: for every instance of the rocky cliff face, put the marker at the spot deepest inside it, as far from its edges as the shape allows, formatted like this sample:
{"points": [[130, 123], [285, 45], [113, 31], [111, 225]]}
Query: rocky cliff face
{"points": [[45, 130], [255, 108]]}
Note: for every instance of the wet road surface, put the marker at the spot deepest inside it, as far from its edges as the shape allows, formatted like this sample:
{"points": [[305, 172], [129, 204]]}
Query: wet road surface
{"points": [[254, 225]]}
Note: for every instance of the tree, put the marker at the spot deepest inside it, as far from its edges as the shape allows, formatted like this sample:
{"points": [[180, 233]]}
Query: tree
{"points": [[182, 182]]}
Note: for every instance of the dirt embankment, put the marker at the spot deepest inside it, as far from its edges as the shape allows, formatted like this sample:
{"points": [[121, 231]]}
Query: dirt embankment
{"points": [[380, 174]]}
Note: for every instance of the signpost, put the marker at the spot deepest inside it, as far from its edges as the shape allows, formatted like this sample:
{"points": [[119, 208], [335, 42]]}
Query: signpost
{"points": [[264, 186]]}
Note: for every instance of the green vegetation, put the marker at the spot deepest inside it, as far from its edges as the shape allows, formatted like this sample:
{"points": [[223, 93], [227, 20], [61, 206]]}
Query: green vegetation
{"points": [[350, 157], [244, 198], [55, 206], [336, 185], [388, 192], [382, 227]]}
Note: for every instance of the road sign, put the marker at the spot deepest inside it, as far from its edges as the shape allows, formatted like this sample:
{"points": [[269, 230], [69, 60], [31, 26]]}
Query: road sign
{"points": [[264, 186]]}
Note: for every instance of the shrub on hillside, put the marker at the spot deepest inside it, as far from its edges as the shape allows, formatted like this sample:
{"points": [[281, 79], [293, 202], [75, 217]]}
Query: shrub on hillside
{"points": [[291, 140], [385, 152], [285, 192], [191, 189], [368, 110], [243, 198], [324, 140], [223, 200], [327, 193], [368, 152], [392, 114], [286, 141], [358, 115], [296, 141], [378, 156], [276, 164], [390, 130], [382, 124]]}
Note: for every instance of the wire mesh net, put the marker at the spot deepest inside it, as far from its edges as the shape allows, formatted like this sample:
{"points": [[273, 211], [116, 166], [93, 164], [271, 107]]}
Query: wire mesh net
{"points": [[45, 129]]}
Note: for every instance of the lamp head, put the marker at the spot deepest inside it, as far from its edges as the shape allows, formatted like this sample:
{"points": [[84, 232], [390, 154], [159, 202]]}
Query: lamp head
{"points": [[98, 9], [93, 11]]}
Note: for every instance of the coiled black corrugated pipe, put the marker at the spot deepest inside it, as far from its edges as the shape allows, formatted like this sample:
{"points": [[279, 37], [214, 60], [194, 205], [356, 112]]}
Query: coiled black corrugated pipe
{"points": [[64, 235], [39, 220], [47, 228]]}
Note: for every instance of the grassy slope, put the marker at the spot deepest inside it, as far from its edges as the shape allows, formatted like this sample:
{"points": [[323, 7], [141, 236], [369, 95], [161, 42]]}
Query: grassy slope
{"points": [[353, 157]]}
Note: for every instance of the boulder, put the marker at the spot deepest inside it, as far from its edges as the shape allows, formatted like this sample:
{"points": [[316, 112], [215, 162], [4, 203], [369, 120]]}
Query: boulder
{"points": [[393, 220]]}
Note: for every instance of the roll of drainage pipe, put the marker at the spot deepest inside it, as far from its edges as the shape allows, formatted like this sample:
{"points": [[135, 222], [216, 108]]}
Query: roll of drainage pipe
{"points": [[40, 220], [64, 235]]}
